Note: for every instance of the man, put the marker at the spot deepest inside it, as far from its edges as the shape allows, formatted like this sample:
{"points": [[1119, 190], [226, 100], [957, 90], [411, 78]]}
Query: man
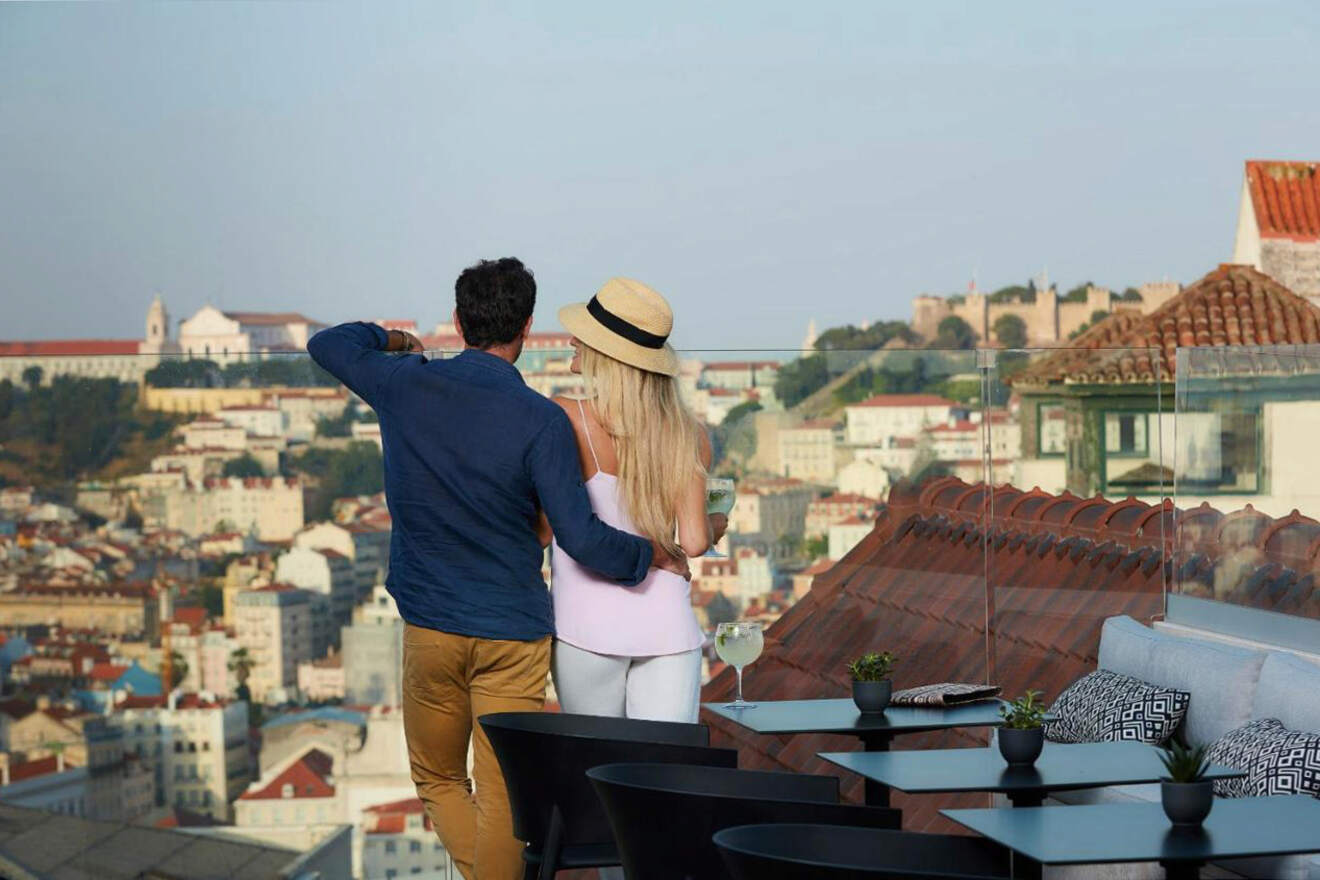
{"points": [[471, 457]]}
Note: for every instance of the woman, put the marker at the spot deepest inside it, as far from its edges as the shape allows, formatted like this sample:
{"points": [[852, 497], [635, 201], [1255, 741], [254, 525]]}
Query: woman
{"points": [[619, 651]]}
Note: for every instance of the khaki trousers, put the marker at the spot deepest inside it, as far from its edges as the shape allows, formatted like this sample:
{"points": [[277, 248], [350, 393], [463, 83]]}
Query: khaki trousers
{"points": [[449, 681]]}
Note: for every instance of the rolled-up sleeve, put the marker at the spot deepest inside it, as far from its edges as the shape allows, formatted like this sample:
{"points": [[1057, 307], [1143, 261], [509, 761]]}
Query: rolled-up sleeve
{"points": [[355, 354], [557, 477]]}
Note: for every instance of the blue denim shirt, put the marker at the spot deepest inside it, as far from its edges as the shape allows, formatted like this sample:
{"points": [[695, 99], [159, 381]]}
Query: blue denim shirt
{"points": [[471, 455]]}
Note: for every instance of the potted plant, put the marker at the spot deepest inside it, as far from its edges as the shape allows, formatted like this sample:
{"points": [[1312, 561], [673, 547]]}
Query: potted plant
{"points": [[871, 686], [1186, 794], [1022, 735]]}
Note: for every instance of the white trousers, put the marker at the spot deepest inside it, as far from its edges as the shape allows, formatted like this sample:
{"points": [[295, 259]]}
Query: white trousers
{"points": [[664, 688]]}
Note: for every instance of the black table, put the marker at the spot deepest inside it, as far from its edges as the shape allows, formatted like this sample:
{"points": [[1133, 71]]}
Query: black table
{"points": [[875, 730], [1059, 768], [1106, 833]]}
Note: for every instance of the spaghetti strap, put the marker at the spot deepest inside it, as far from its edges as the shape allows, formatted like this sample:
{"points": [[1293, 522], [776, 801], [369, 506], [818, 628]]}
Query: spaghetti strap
{"points": [[586, 429]]}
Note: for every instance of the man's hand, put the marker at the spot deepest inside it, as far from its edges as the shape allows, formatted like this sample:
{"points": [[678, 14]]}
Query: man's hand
{"points": [[719, 524], [666, 561], [402, 340]]}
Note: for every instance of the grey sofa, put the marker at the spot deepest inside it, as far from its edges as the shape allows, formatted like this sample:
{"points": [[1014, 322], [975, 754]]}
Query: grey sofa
{"points": [[1230, 685]]}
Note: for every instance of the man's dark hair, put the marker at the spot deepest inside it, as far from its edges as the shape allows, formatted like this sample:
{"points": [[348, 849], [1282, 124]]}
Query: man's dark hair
{"points": [[494, 300]]}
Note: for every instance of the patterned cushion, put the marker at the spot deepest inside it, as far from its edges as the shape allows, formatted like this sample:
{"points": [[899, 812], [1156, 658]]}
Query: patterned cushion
{"points": [[1276, 760], [1105, 706]]}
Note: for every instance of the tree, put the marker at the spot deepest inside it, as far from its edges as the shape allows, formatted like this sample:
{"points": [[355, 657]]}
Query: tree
{"points": [[741, 411], [356, 469], [799, 379], [817, 547], [1130, 294], [336, 426], [954, 332], [875, 336], [178, 669], [720, 610], [32, 377], [133, 519], [240, 664], [1011, 331], [1014, 293], [244, 466], [176, 373], [213, 600], [1077, 294]]}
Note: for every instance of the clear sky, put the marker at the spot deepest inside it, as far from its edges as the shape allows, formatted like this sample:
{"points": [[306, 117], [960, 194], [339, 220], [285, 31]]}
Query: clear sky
{"points": [[760, 163]]}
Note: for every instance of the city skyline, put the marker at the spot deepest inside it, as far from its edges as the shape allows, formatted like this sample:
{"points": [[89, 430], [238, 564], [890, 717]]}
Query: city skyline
{"points": [[758, 170]]}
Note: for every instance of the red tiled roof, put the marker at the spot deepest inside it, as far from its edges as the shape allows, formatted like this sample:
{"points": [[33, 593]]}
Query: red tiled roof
{"points": [[33, 769], [308, 776], [1058, 566], [535, 341], [725, 366], [1231, 306], [180, 818], [195, 618], [905, 400], [820, 566], [269, 318], [108, 671], [389, 825], [407, 805], [915, 586], [848, 498], [1286, 198], [68, 347]]}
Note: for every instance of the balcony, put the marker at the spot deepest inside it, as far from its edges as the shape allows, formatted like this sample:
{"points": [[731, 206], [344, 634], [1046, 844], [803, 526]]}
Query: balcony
{"points": [[979, 512]]}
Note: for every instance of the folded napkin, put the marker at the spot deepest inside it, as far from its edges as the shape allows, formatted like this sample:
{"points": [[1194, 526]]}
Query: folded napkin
{"points": [[946, 694]]}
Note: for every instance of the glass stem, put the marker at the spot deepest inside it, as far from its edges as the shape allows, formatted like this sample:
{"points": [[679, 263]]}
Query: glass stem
{"points": [[738, 670]]}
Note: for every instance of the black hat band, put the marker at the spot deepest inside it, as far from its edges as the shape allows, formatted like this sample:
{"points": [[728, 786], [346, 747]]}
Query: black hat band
{"points": [[626, 329]]}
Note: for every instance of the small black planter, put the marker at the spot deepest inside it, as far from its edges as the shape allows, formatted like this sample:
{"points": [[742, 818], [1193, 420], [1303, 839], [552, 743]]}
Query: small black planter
{"points": [[1187, 803], [1021, 748], [872, 696]]}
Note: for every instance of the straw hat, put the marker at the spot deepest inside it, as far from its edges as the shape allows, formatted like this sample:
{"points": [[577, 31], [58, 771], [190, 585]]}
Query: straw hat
{"points": [[628, 321]]}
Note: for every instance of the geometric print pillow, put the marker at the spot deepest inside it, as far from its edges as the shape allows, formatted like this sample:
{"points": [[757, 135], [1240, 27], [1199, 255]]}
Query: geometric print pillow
{"points": [[1104, 706], [1276, 760]]}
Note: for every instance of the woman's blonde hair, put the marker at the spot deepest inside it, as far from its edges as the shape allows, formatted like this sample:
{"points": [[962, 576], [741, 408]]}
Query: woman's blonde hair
{"points": [[656, 438]]}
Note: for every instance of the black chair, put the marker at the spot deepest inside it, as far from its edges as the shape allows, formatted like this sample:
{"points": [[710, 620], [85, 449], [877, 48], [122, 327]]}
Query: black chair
{"points": [[545, 756], [832, 852], [663, 815]]}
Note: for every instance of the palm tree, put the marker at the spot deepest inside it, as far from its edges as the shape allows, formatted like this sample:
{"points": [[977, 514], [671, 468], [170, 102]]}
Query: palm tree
{"points": [[178, 669], [32, 377], [240, 664]]}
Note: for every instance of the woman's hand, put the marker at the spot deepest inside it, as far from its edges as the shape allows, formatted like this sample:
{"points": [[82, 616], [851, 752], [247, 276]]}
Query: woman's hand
{"points": [[719, 524]]}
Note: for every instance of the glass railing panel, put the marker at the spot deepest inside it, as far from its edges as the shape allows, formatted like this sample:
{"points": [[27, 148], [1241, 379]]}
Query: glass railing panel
{"points": [[1075, 524], [1246, 491], [174, 520], [883, 447]]}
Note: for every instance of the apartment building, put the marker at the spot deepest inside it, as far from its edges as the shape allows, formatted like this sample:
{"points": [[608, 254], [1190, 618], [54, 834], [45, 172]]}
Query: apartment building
{"points": [[274, 623]]}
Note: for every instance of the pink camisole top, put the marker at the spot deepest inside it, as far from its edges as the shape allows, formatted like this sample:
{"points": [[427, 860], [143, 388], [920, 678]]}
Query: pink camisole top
{"points": [[599, 615]]}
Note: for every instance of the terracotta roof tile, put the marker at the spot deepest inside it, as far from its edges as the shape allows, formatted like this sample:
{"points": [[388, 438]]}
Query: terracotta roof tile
{"points": [[1058, 566], [1286, 198], [269, 318], [69, 347], [1233, 306], [308, 777], [905, 400]]}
